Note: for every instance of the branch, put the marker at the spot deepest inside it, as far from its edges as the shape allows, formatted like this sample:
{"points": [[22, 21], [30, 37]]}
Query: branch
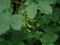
{"points": [[17, 2]]}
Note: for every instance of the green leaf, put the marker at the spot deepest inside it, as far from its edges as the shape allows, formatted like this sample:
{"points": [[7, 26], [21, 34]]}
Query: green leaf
{"points": [[37, 35], [54, 17], [49, 1], [4, 23], [58, 1], [20, 43], [19, 36], [4, 42], [4, 4], [27, 2], [45, 8], [31, 10], [48, 43], [48, 37], [52, 29], [16, 21], [26, 35], [44, 20], [21, 9], [10, 10]]}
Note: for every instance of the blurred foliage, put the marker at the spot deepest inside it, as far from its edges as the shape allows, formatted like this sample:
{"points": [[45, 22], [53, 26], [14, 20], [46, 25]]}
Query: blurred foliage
{"points": [[29, 22]]}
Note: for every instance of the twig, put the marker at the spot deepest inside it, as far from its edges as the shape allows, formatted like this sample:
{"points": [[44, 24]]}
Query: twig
{"points": [[17, 2]]}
